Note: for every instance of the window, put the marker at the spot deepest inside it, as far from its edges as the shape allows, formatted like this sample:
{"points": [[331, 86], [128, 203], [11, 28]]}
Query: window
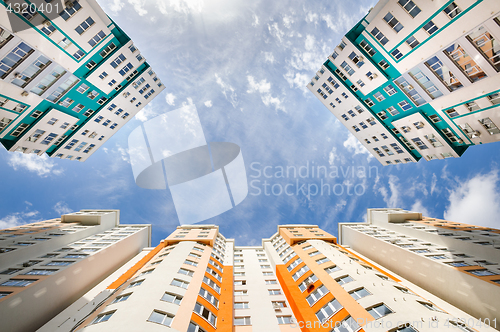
{"points": [[356, 59], [489, 126], [59, 263], [412, 42], [378, 96], [379, 36], [393, 22], [461, 326], [212, 284], [430, 306], [360, 83], [274, 292], [452, 10], [430, 27], [359, 293], [300, 272], [205, 313], [209, 297], [410, 7], [349, 324], [284, 319], [186, 272], [121, 298], [103, 317], [367, 48], [17, 282], [332, 269], [328, 310], [180, 283], [84, 25], [126, 69], [347, 68], [271, 282], [316, 295], [452, 113], [344, 280], [481, 272], [242, 321], [160, 318], [241, 305], [397, 54], [4, 294], [405, 106], [458, 264], [383, 64], [97, 38], [10, 271], [323, 260], [104, 53], [369, 102], [465, 62], [379, 311]]}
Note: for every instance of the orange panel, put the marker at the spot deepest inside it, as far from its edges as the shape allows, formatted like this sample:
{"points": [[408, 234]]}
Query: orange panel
{"points": [[127, 275], [225, 319]]}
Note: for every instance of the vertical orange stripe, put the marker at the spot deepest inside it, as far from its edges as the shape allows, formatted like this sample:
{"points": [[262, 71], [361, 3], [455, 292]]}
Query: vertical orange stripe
{"points": [[226, 306], [127, 275]]}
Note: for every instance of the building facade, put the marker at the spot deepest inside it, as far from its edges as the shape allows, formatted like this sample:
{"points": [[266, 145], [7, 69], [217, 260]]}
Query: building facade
{"points": [[299, 279], [47, 265], [69, 78], [457, 262], [417, 79]]}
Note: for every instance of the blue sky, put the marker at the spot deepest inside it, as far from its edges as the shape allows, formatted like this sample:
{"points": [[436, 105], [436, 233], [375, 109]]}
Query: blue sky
{"points": [[245, 65]]}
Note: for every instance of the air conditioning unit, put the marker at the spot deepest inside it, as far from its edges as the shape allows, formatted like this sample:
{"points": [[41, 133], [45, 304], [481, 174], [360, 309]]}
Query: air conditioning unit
{"points": [[24, 93], [410, 87], [18, 75], [276, 307], [361, 58], [68, 4], [375, 75], [46, 23]]}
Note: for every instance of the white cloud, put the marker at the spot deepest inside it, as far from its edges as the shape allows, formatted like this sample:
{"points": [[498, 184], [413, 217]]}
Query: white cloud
{"points": [[264, 88], [227, 90], [434, 184], [353, 145], [255, 20], [170, 99], [116, 6], [391, 196], [418, 207], [311, 17], [261, 87], [18, 218], [62, 208], [269, 57], [310, 42], [208, 103], [138, 6], [41, 165], [287, 21], [146, 113], [275, 31], [297, 80], [476, 201], [332, 156]]}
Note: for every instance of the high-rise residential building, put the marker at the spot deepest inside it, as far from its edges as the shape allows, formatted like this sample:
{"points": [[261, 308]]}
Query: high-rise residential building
{"points": [[47, 265], [299, 279], [69, 79], [457, 262], [417, 79]]}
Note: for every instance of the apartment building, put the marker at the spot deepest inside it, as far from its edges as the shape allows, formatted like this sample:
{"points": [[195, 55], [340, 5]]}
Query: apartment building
{"points": [[417, 79], [47, 265], [457, 262], [299, 279], [70, 78]]}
